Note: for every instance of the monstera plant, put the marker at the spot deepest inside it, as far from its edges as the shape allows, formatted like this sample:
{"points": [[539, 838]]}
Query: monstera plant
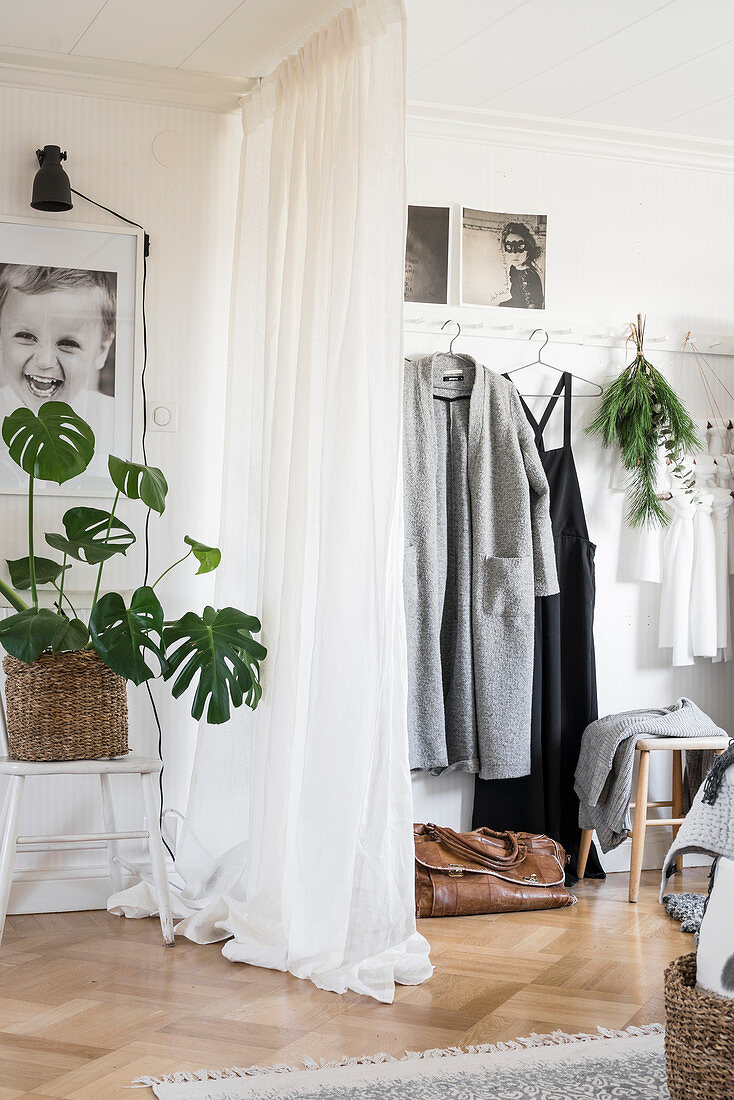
{"points": [[216, 649]]}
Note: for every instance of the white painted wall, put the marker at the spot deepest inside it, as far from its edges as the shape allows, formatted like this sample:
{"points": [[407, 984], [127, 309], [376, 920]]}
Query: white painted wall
{"points": [[623, 236], [189, 212]]}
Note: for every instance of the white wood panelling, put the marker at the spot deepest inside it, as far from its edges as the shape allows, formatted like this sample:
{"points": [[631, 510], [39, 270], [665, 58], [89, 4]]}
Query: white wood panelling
{"points": [[258, 35], [624, 235], [45, 24], [620, 71], [164, 32], [528, 40]]}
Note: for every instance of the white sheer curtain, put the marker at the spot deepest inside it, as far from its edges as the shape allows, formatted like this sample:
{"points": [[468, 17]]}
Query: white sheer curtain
{"points": [[298, 842]]}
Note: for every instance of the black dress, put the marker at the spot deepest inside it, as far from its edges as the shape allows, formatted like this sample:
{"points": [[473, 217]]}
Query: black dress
{"points": [[564, 673]]}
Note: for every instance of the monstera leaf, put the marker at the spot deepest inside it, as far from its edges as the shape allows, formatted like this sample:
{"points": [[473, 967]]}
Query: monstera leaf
{"points": [[28, 633], [54, 445], [208, 557], [122, 635], [218, 647], [47, 570], [86, 535], [145, 483], [73, 635]]}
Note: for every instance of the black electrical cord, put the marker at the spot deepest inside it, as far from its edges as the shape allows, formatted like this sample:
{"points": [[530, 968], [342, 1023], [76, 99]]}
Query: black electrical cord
{"points": [[146, 253]]}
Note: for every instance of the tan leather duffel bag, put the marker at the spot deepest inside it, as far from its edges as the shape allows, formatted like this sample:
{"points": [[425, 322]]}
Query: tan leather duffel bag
{"points": [[462, 874]]}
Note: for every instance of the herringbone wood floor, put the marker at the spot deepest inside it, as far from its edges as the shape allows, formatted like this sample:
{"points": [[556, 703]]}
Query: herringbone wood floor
{"points": [[89, 1001]]}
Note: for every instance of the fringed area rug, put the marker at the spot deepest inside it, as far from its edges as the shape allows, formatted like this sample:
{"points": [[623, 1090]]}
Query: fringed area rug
{"points": [[613, 1065]]}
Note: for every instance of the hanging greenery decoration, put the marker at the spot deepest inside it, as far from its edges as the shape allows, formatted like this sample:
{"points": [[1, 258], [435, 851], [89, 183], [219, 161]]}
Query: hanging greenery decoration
{"points": [[640, 411]]}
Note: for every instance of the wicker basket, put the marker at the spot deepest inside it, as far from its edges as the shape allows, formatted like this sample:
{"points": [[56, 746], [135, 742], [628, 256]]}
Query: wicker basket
{"points": [[65, 707], [699, 1037]]}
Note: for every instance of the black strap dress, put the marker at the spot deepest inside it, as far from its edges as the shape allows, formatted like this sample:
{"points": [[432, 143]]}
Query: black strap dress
{"points": [[564, 673]]}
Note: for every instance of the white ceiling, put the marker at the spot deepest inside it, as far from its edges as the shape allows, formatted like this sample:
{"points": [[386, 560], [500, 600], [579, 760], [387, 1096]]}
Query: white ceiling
{"points": [[665, 65], [227, 37]]}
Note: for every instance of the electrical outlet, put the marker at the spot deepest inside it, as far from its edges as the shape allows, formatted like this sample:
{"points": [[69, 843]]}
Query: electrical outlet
{"points": [[163, 416]]}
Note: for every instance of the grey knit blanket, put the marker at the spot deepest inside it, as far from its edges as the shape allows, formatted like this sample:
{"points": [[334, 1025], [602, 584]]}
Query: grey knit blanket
{"points": [[604, 771]]}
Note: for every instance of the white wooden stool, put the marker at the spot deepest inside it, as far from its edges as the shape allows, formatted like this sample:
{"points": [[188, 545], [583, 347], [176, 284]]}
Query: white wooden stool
{"points": [[646, 745], [20, 770]]}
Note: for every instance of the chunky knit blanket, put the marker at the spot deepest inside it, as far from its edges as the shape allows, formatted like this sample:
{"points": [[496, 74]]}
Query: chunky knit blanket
{"points": [[604, 771], [709, 825]]}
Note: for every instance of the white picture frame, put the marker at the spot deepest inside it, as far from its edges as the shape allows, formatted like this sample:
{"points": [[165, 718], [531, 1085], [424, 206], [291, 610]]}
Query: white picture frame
{"points": [[485, 271], [114, 257], [428, 254]]}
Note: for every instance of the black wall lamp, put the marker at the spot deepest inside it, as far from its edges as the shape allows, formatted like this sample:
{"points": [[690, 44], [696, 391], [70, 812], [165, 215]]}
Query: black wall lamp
{"points": [[52, 190], [51, 187]]}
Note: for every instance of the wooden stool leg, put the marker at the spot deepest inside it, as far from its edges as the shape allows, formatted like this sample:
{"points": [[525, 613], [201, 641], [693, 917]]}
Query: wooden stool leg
{"points": [[157, 858], [677, 797], [640, 825], [584, 849], [108, 816], [7, 849]]}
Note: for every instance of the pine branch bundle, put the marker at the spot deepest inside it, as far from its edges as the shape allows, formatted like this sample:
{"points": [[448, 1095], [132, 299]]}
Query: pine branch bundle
{"points": [[638, 412]]}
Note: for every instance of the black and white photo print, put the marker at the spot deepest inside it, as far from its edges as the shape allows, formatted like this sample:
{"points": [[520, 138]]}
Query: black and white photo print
{"points": [[503, 259], [427, 254], [65, 337]]}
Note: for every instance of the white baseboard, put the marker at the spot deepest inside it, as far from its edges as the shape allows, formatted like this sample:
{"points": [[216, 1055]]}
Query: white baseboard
{"points": [[63, 891], [656, 849]]}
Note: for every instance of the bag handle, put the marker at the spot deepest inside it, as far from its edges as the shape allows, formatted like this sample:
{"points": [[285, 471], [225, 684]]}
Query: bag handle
{"points": [[461, 845]]}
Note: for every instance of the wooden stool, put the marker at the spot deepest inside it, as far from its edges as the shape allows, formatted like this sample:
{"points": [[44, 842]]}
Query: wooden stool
{"points": [[10, 842], [646, 745]]}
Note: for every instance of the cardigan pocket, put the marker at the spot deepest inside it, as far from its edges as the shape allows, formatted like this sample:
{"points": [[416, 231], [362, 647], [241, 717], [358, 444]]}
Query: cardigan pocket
{"points": [[508, 586]]}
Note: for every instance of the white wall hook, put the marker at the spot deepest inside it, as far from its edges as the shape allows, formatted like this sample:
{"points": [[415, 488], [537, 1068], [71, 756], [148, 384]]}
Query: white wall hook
{"points": [[714, 343], [561, 331], [655, 339]]}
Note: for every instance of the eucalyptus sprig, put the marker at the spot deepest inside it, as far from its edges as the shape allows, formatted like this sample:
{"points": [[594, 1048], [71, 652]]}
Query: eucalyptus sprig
{"points": [[639, 412]]}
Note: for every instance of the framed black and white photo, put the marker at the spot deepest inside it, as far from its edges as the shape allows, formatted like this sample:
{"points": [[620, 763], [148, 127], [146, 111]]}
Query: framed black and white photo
{"points": [[69, 315], [427, 254], [503, 259]]}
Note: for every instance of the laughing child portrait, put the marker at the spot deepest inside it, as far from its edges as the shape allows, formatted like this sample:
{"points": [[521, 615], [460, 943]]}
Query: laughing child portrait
{"points": [[57, 326]]}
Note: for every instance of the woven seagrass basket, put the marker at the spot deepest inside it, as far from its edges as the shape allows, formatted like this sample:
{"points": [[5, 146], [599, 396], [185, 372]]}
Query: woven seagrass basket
{"points": [[699, 1037], [70, 706]]}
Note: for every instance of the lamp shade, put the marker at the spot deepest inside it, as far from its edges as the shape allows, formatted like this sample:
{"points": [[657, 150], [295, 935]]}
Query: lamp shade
{"points": [[51, 187]]}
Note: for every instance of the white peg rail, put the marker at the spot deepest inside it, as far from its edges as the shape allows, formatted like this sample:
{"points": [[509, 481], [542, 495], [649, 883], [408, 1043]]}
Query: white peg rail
{"points": [[491, 324]]}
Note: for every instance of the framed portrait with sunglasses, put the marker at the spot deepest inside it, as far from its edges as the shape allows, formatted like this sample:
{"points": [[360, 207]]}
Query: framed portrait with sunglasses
{"points": [[503, 259]]}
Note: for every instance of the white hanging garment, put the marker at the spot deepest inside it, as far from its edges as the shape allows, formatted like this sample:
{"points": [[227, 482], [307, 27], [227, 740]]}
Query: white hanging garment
{"points": [[649, 555], [722, 512], [725, 479], [675, 597], [725, 471], [702, 429], [705, 470], [717, 437], [704, 630]]}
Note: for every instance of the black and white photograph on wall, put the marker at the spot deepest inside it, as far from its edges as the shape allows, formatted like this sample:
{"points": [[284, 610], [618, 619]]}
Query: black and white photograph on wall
{"points": [[67, 333], [427, 254], [503, 259]]}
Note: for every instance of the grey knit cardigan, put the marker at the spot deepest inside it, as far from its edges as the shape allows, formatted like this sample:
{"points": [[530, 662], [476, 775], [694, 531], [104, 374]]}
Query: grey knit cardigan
{"points": [[512, 560]]}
